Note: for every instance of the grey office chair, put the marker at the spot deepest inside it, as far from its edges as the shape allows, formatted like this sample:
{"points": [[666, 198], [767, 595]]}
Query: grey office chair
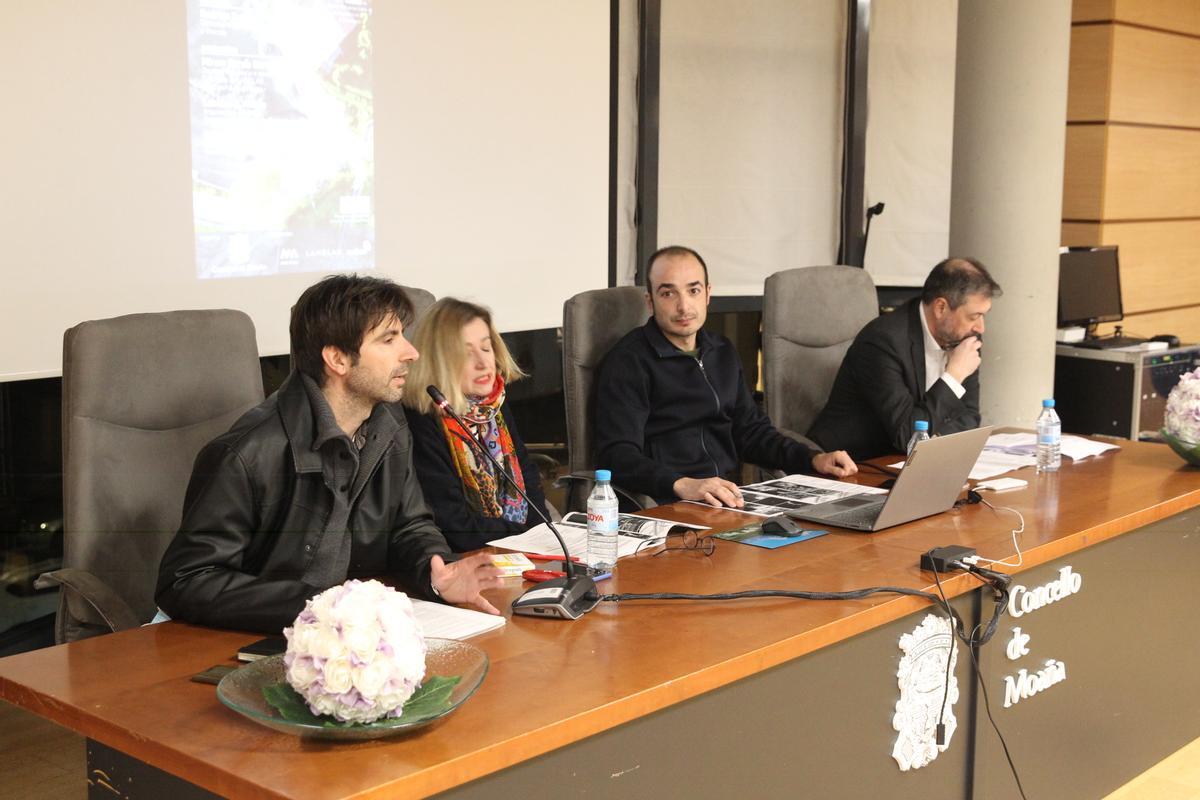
{"points": [[810, 317], [421, 300], [593, 322], [141, 395]]}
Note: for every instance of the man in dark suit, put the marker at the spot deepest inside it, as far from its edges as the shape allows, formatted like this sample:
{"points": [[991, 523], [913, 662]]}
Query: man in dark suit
{"points": [[919, 362]]}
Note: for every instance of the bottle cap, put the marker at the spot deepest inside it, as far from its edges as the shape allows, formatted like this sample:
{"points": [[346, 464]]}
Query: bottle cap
{"points": [[1048, 402], [603, 475], [921, 425]]}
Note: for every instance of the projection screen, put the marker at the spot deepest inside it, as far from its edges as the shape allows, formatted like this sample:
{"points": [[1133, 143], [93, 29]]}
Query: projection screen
{"points": [[750, 148], [454, 145]]}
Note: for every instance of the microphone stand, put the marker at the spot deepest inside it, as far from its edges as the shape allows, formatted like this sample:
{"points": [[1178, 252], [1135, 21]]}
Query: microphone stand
{"points": [[563, 598], [873, 211]]}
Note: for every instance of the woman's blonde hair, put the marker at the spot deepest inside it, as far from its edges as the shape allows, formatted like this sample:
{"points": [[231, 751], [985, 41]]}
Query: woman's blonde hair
{"points": [[439, 341]]}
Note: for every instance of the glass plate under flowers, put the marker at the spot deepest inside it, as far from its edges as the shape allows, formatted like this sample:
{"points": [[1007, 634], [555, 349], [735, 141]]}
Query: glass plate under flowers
{"points": [[242, 690], [1188, 451]]}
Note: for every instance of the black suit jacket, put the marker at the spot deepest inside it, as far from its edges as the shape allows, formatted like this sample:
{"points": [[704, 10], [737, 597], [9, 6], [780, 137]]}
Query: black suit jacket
{"points": [[880, 391]]}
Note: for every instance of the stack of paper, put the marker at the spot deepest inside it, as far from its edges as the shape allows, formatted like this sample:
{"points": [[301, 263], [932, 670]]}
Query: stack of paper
{"points": [[997, 462], [441, 621], [1074, 447], [1015, 443], [633, 532], [1005, 452], [1077, 448], [540, 539], [992, 463]]}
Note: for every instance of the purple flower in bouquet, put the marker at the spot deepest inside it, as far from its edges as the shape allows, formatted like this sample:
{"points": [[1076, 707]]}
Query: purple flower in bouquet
{"points": [[356, 652], [1182, 418]]}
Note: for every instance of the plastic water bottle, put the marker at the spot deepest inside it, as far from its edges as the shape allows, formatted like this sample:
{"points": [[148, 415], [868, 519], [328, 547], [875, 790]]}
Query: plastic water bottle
{"points": [[1049, 438], [602, 523], [920, 433]]}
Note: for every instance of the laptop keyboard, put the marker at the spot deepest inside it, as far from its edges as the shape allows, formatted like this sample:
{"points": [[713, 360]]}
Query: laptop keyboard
{"points": [[857, 516]]}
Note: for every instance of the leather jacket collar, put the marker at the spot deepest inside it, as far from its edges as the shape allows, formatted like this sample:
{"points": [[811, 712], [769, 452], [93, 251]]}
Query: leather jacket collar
{"points": [[299, 423]]}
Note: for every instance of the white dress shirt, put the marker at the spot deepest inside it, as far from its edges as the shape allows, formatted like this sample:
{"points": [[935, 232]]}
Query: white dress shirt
{"points": [[935, 360]]}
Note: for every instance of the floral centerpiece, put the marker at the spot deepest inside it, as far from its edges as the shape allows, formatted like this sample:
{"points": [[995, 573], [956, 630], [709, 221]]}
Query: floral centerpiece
{"points": [[356, 652], [1181, 423]]}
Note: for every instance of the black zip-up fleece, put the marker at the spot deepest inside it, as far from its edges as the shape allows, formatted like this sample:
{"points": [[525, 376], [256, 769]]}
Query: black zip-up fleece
{"points": [[661, 414]]}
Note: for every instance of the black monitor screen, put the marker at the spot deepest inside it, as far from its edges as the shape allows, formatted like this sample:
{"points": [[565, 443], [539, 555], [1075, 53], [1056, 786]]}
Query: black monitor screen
{"points": [[1089, 286]]}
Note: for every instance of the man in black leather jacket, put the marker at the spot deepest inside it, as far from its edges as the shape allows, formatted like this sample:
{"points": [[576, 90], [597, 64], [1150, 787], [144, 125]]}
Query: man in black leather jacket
{"points": [[316, 484], [673, 415]]}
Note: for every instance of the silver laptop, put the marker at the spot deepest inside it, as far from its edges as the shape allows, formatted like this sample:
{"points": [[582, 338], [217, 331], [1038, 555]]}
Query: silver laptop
{"points": [[929, 484]]}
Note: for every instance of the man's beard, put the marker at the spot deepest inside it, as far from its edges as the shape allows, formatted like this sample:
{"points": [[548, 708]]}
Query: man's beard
{"points": [[371, 392]]}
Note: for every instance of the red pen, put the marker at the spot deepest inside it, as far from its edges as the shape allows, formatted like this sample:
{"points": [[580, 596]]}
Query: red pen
{"points": [[544, 557], [539, 575]]}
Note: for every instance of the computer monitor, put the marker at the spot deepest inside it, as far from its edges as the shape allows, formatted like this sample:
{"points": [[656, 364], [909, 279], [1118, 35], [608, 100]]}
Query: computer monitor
{"points": [[1089, 286]]}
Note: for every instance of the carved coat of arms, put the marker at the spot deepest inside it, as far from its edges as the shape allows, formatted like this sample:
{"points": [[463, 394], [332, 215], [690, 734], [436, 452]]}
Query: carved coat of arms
{"points": [[922, 680]]}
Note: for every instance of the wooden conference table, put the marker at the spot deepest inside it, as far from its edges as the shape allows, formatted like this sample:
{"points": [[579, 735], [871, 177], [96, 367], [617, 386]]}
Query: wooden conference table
{"points": [[761, 698]]}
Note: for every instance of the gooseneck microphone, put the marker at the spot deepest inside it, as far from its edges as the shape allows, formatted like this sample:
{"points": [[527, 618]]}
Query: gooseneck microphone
{"points": [[565, 598], [873, 211]]}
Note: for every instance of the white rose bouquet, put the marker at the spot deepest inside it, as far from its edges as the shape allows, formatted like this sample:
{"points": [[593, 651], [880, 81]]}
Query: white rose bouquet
{"points": [[356, 652], [1181, 422]]}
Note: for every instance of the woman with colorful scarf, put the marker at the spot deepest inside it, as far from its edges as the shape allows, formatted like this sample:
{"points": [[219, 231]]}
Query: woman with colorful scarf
{"points": [[464, 356]]}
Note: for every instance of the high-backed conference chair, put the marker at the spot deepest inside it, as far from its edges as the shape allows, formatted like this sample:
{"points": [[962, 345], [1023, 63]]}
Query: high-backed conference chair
{"points": [[593, 322], [810, 317], [141, 395], [421, 300]]}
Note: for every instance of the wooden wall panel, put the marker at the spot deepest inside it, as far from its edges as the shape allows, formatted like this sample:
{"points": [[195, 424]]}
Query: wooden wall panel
{"points": [[1089, 78], [1083, 172], [1150, 173], [1155, 76], [1081, 234], [1133, 180], [1183, 322], [1093, 10], [1172, 15], [1160, 261]]}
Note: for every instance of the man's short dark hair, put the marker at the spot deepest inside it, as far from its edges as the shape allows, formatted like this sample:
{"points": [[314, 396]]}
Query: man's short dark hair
{"points": [[674, 251], [957, 278], [340, 310]]}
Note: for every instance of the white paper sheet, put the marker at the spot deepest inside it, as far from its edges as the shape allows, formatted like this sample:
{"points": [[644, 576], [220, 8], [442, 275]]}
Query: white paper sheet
{"points": [[442, 621], [1005, 452], [635, 530]]}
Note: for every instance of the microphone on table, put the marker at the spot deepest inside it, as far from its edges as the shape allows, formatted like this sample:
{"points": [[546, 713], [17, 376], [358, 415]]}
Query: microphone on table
{"points": [[565, 598]]}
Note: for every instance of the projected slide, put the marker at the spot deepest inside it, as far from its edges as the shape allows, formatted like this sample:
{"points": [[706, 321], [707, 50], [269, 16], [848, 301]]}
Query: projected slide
{"points": [[282, 136]]}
